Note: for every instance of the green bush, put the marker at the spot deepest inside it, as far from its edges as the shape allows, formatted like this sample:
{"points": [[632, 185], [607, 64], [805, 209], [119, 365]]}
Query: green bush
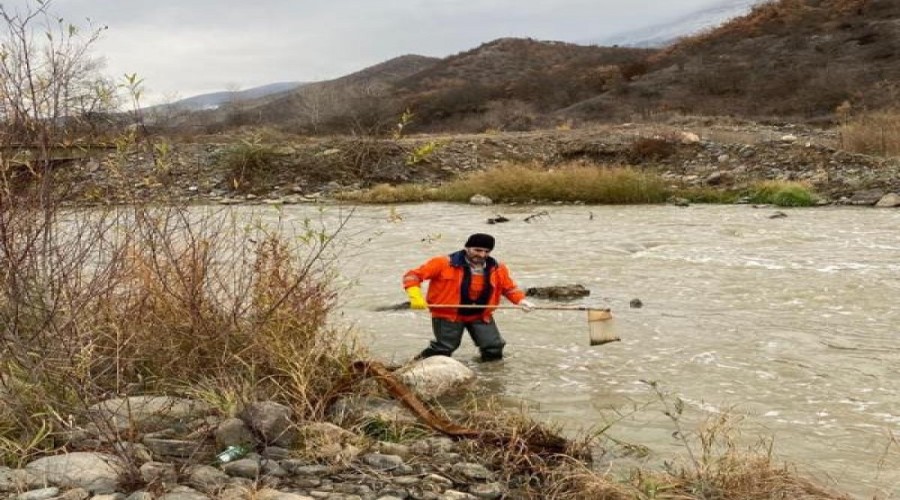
{"points": [[782, 194], [249, 162]]}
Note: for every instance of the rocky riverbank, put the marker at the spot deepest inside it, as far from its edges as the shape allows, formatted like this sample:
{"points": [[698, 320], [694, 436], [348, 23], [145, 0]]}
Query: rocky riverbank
{"points": [[368, 447], [161, 447], [303, 170]]}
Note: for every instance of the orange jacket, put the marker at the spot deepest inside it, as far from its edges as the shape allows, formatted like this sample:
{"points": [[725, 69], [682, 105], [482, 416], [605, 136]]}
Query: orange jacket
{"points": [[445, 275]]}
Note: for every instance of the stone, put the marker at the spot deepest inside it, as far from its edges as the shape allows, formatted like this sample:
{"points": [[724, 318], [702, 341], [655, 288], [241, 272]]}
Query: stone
{"points": [[159, 472], [480, 199], [436, 376], [867, 197], [489, 491], [20, 480], [270, 494], [184, 493], [689, 138], [41, 494], [140, 495], [272, 421], [176, 447], [355, 408], [245, 467], [476, 472], [889, 200], [379, 461], [206, 478], [146, 413], [95, 472], [233, 432], [558, 292]]}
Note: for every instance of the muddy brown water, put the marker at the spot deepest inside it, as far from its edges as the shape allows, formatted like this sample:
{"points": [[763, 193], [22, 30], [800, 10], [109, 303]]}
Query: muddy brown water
{"points": [[789, 324]]}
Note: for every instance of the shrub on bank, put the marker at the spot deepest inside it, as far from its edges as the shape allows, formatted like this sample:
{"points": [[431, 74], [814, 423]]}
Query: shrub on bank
{"points": [[872, 133], [157, 301], [249, 163], [567, 183], [782, 194], [529, 183]]}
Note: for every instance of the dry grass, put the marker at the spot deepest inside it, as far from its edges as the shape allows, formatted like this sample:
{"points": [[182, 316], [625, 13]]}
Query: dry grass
{"points": [[718, 467], [530, 183], [873, 133]]}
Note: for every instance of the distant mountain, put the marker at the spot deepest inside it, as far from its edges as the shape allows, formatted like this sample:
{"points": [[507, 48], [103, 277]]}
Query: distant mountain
{"points": [[663, 34], [215, 99]]}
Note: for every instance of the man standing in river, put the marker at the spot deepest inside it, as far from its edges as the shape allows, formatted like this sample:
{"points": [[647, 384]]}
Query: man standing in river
{"points": [[468, 277]]}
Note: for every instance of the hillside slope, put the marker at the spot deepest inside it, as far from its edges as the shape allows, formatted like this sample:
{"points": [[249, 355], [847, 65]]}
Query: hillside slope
{"points": [[510, 82], [791, 59]]}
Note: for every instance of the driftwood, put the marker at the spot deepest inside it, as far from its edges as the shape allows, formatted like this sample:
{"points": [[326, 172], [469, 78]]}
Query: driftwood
{"points": [[540, 442]]}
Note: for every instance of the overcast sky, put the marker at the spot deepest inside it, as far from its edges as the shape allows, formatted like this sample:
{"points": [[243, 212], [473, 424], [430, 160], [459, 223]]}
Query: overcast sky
{"points": [[183, 48]]}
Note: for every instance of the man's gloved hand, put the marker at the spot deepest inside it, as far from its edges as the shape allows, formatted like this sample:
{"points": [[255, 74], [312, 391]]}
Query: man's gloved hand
{"points": [[416, 300], [526, 305]]}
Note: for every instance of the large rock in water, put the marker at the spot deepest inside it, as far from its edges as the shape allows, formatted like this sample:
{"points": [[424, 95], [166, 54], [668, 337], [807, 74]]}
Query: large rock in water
{"points": [[436, 376], [561, 292]]}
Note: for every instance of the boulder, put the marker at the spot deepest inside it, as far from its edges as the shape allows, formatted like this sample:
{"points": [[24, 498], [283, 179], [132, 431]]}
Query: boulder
{"points": [[867, 197], [480, 199], [272, 421], [436, 376], [146, 413], [95, 472], [889, 200]]}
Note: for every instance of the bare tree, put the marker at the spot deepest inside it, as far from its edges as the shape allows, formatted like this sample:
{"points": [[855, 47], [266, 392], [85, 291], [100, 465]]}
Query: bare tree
{"points": [[48, 80]]}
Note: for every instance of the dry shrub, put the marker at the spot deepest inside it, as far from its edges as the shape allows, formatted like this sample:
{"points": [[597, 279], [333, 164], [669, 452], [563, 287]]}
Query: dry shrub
{"points": [[652, 148], [530, 470], [716, 463], [568, 183], [386, 193], [151, 301], [873, 133], [719, 467], [250, 163]]}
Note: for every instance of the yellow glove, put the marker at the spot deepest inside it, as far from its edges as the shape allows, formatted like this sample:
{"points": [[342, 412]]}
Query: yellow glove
{"points": [[416, 300]]}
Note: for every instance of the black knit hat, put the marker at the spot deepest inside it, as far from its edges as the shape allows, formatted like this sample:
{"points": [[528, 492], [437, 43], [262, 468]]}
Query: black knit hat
{"points": [[480, 240]]}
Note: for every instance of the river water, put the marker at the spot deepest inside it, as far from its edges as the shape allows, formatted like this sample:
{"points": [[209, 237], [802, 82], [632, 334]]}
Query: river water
{"points": [[789, 323]]}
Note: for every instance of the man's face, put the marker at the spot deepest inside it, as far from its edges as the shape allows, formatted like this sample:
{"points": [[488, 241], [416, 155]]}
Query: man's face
{"points": [[477, 255]]}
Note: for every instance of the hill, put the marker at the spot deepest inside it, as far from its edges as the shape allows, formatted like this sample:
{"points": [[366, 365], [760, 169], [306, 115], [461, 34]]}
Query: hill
{"points": [[786, 60], [789, 60], [511, 83]]}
